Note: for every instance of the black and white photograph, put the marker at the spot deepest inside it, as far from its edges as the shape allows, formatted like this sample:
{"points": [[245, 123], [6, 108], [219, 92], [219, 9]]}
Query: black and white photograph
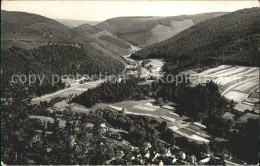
{"points": [[124, 82]]}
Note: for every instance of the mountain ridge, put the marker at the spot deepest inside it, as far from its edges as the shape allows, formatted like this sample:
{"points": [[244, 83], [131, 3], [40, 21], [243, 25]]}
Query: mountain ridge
{"points": [[36, 30], [142, 31], [226, 37]]}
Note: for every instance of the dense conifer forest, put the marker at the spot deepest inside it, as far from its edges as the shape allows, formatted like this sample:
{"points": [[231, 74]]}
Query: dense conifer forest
{"points": [[58, 60]]}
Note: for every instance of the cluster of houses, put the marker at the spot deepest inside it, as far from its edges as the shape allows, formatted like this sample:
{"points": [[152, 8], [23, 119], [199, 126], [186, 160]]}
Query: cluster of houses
{"points": [[145, 155]]}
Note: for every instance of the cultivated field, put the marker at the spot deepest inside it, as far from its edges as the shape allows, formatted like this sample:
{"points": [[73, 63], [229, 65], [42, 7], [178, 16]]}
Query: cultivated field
{"points": [[178, 124], [237, 83]]}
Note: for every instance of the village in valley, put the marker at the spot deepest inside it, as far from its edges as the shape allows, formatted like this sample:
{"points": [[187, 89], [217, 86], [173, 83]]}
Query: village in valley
{"points": [[247, 106]]}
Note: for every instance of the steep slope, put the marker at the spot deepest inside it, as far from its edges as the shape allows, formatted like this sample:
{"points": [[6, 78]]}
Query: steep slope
{"points": [[145, 31], [29, 30], [232, 38]]}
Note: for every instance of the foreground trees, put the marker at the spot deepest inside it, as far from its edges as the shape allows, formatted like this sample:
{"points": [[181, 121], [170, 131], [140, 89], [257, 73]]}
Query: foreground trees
{"points": [[29, 141], [16, 128]]}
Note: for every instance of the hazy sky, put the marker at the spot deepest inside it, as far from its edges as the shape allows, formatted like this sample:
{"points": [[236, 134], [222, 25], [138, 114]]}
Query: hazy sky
{"points": [[102, 10]]}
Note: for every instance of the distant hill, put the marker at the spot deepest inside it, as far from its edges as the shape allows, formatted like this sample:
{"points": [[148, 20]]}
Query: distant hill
{"points": [[30, 30], [87, 28], [106, 36], [145, 31], [103, 38], [75, 23], [25, 30], [232, 38]]}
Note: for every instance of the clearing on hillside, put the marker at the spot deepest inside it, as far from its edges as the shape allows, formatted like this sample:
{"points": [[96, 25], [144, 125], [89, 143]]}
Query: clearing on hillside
{"points": [[237, 83]]}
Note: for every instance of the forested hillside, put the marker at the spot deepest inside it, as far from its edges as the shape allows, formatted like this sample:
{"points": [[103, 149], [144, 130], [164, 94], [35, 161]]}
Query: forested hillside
{"points": [[145, 31], [56, 59], [29, 31], [228, 39]]}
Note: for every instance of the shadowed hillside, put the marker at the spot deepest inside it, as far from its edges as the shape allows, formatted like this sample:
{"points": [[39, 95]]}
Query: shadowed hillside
{"points": [[231, 39], [145, 31]]}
